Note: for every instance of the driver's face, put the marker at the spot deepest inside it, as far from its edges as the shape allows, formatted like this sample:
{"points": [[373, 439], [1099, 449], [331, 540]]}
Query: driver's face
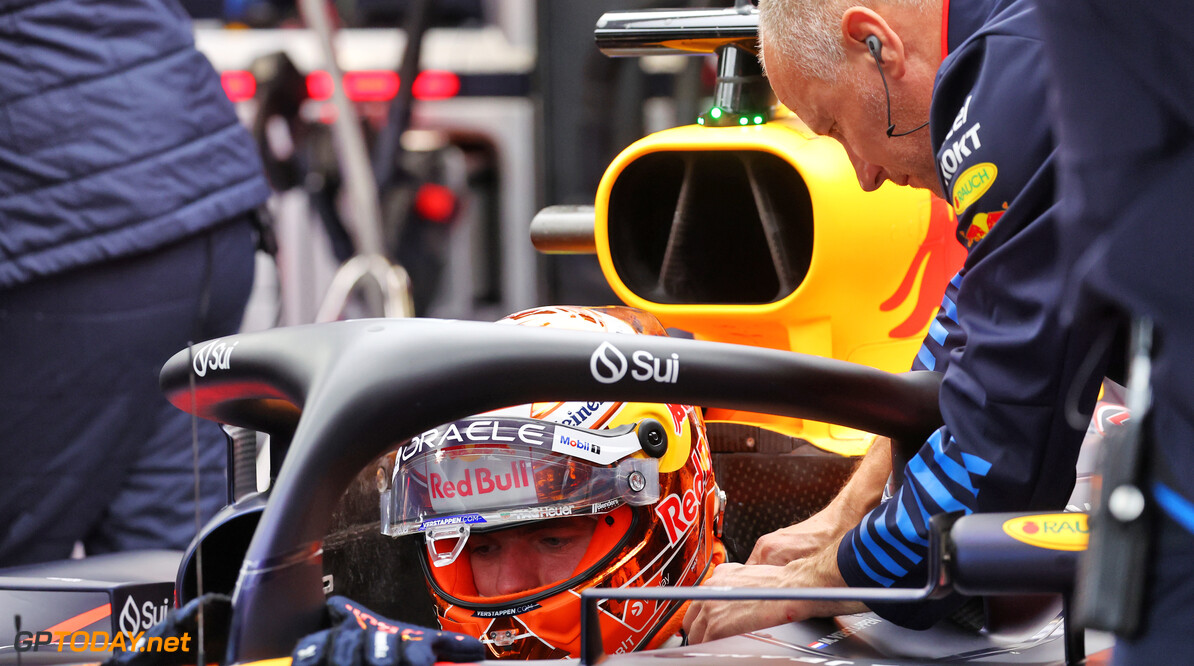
{"points": [[530, 556]]}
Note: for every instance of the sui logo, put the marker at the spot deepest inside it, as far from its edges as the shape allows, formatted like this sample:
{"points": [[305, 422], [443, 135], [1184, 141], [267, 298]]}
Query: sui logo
{"points": [[607, 364], [134, 618], [213, 356]]}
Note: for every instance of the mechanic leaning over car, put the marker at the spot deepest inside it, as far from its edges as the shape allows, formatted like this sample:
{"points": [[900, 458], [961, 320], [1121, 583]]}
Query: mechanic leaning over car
{"points": [[1122, 76], [950, 97], [128, 197]]}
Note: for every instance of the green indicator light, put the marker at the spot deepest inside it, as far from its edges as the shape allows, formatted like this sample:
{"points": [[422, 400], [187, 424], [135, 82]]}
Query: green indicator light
{"points": [[715, 113], [743, 120], [700, 120], [758, 120]]}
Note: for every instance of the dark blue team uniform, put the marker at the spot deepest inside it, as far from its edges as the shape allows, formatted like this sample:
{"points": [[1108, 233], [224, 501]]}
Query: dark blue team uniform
{"points": [[127, 192], [1123, 80], [1009, 359]]}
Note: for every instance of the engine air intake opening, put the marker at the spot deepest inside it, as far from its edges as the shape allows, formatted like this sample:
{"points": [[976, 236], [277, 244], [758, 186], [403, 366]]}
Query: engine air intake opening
{"points": [[710, 227]]}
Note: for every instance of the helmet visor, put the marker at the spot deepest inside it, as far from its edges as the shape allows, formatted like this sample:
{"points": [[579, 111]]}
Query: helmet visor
{"points": [[493, 472]]}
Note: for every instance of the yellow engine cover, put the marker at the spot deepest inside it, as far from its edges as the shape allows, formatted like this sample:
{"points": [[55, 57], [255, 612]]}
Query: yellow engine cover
{"points": [[761, 235]]}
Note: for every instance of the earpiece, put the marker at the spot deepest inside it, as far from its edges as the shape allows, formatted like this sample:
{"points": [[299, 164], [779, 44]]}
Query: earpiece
{"points": [[875, 46]]}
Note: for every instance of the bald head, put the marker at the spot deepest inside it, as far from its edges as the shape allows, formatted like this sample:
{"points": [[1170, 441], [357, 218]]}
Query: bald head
{"points": [[821, 66], [807, 34]]}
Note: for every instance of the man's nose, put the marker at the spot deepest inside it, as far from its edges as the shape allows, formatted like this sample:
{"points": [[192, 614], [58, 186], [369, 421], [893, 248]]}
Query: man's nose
{"points": [[870, 176], [518, 571]]}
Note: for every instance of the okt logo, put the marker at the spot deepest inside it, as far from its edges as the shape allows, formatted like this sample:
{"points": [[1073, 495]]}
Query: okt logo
{"points": [[609, 365]]}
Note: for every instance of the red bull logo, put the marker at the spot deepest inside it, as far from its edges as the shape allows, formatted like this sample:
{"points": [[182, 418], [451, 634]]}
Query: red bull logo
{"points": [[679, 513], [480, 481], [981, 225], [679, 413]]}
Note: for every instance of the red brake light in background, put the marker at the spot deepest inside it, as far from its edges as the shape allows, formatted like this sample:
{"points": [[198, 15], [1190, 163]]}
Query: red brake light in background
{"points": [[361, 86], [382, 85], [239, 85], [436, 84], [319, 85], [371, 86], [435, 203]]}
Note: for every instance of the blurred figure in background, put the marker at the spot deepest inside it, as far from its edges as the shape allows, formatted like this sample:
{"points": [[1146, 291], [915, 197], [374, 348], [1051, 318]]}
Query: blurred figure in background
{"points": [[128, 226]]}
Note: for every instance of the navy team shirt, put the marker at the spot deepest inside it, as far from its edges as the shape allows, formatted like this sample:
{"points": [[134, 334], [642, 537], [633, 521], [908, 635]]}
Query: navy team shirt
{"points": [[1009, 358], [1123, 78]]}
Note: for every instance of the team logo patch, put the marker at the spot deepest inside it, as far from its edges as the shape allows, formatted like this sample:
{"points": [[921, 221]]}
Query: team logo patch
{"points": [[972, 185], [980, 226]]}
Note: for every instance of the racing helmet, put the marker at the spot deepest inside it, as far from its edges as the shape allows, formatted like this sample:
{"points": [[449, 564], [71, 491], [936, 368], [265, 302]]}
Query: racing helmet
{"points": [[641, 472]]}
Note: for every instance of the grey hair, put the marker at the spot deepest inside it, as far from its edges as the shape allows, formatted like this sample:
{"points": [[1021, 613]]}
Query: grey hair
{"points": [[806, 33]]}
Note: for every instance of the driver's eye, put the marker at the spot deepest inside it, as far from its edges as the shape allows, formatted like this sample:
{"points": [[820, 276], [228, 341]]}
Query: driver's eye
{"points": [[483, 549], [554, 541]]}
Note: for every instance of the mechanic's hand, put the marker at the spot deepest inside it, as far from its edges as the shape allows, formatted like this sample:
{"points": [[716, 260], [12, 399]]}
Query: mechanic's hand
{"points": [[183, 624], [711, 620], [860, 494], [361, 637], [797, 541]]}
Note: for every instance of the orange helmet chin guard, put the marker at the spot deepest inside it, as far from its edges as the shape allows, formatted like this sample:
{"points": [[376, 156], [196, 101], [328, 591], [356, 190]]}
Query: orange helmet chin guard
{"points": [[656, 507]]}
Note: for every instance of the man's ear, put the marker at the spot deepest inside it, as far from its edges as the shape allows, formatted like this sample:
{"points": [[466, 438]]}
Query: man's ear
{"points": [[861, 23]]}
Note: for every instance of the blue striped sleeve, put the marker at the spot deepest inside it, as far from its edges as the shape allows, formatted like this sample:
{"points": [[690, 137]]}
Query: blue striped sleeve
{"points": [[891, 541], [945, 334]]}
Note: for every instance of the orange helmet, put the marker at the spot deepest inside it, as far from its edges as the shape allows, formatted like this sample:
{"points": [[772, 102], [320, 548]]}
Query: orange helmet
{"points": [[642, 472]]}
